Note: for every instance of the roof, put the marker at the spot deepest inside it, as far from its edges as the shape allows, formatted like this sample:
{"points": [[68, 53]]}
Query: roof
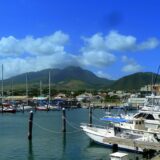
{"points": [[118, 154], [115, 120]]}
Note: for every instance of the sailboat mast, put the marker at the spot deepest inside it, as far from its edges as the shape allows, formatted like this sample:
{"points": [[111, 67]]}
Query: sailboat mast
{"points": [[12, 90], [2, 88], [40, 91], [49, 83], [27, 87]]}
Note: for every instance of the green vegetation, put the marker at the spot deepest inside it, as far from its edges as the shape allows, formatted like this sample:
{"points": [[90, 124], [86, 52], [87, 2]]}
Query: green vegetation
{"points": [[135, 81], [75, 80]]}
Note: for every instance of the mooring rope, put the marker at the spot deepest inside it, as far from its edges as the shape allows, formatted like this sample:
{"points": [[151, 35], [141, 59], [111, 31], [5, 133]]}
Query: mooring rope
{"points": [[58, 132], [70, 123], [46, 129]]}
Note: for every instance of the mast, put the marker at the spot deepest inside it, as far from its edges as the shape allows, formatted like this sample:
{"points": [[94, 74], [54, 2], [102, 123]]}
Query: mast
{"points": [[27, 87], [2, 89], [12, 90], [40, 91], [49, 91]]}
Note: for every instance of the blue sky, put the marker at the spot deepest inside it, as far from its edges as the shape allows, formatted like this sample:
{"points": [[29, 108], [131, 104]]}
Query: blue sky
{"points": [[112, 38]]}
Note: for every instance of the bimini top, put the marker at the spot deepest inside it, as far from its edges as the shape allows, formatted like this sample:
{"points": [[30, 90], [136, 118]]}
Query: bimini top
{"points": [[115, 120]]}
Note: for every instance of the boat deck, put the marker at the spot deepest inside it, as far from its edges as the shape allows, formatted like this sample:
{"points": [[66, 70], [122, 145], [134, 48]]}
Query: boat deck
{"points": [[133, 143]]}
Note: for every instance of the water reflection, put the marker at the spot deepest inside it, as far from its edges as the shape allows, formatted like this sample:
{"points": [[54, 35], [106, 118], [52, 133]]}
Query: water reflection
{"points": [[63, 142], [104, 151], [30, 151]]}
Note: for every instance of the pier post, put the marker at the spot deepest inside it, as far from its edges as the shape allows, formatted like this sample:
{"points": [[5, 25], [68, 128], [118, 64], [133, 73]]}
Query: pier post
{"points": [[63, 120], [90, 116], [115, 148], [2, 107], [30, 126], [23, 108]]}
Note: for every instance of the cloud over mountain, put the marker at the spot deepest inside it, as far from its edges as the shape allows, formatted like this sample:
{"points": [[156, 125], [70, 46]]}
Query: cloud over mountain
{"points": [[131, 65], [99, 51]]}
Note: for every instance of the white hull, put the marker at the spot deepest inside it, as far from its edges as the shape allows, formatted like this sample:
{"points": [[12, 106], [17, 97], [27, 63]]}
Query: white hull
{"points": [[98, 135], [25, 108]]}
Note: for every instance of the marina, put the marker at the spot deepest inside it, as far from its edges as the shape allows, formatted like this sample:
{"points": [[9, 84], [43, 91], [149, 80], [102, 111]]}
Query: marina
{"points": [[48, 141], [79, 80]]}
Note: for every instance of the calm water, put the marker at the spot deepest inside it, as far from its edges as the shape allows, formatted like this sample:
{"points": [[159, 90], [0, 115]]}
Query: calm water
{"points": [[48, 142]]}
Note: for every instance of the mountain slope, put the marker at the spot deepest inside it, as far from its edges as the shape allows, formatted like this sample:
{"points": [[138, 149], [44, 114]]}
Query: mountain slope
{"points": [[134, 81], [70, 77]]}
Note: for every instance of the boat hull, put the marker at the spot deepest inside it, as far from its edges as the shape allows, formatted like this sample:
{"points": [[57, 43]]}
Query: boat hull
{"points": [[98, 137]]}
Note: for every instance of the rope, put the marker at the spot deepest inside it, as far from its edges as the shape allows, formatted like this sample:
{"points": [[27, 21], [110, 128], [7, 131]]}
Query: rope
{"points": [[58, 132], [70, 123], [45, 129]]}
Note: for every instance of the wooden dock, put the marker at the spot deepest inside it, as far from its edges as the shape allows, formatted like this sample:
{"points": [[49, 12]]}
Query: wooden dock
{"points": [[133, 143], [156, 158]]}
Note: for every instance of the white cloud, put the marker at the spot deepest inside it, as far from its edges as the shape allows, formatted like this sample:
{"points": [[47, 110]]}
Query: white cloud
{"points": [[33, 54], [103, 75], [34, 46], [131, 68], [95, 53], [131, 65], [149, 44], [115, 41], [118, 42], [19, 65], [98, 49], [97, 58]]}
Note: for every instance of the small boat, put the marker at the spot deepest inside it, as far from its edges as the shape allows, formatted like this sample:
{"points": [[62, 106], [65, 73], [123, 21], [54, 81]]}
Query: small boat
{"points": [[42, 108], [8, 110], [54, 108], [20, 108]]}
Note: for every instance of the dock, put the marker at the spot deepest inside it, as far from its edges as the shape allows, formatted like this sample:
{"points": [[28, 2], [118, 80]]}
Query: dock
{"points": [[156, 158], [133, 143]]}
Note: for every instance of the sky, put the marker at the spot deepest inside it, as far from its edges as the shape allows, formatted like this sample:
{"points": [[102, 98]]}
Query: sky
{"points": [[111, 38]]}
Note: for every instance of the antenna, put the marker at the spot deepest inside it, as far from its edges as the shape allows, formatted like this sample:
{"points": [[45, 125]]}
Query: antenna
{"points": [[156, 75], [155, 80]]}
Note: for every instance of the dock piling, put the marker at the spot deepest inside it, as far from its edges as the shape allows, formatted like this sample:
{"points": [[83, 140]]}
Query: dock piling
{"points": [[90, 116], [30, 126], [63, 120], [23, 108]]}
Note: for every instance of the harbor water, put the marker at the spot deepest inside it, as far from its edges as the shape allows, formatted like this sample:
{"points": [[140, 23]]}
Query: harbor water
{"points": [[48, 142]]}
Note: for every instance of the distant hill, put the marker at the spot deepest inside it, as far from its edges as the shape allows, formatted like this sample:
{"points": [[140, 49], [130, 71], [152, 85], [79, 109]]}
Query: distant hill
{"points": [[134, 81], [67, 78], [75, 78]]}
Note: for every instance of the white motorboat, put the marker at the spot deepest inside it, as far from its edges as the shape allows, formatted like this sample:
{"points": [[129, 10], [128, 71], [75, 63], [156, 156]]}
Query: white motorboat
{"points": [[134, 132]]}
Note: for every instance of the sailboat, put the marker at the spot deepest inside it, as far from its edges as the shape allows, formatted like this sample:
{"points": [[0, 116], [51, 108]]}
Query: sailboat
{"points": [[25, 107], [51, 106], [6, 108], [41, 106]]}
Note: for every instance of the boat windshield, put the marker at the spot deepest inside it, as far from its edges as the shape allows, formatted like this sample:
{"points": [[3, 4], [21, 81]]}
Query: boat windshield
{"points": [[114, 120], [145, 116]]}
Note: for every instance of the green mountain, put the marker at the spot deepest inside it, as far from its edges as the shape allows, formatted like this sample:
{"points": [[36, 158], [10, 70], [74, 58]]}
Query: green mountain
{"points": [[75, 78], [135, 81], [67, 78]]}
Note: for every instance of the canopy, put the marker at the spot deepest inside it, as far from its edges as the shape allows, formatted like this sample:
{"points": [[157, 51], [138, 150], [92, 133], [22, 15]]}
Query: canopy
{"points": [[115, 120]]}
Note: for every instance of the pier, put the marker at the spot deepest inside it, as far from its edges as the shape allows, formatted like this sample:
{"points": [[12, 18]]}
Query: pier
{"points": [[133, 143]]}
